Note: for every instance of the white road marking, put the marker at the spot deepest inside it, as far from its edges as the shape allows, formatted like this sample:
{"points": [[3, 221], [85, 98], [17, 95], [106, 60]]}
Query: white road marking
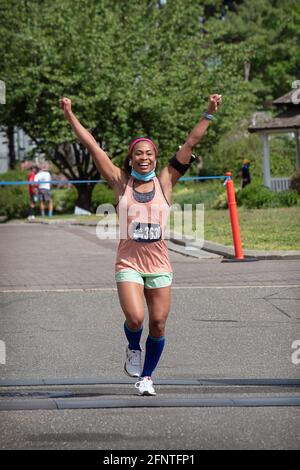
{"points": [[109, 289]]}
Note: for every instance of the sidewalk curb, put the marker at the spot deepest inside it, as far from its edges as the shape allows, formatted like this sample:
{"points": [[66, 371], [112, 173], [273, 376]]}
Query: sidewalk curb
{"points": [[228, 251], [186, 241]]}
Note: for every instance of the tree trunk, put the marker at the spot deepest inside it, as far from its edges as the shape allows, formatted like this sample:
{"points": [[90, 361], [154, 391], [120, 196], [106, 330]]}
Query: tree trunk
{"points": [[247, 66], [84, 200], [11, 147]]}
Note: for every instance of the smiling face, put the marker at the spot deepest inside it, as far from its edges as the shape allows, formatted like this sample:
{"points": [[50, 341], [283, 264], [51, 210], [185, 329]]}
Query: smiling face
{"points": [[143, 157]]}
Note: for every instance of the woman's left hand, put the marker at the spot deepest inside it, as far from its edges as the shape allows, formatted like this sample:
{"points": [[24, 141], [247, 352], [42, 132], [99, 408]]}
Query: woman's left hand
{"points": [[213, 103]]}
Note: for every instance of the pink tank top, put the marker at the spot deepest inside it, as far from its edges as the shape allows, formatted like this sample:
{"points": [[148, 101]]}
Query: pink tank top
{"points": [[142, 226]]}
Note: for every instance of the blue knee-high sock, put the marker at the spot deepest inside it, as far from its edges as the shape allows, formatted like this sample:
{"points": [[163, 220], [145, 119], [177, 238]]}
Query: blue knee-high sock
{"points": [[154, 348], [133, 337]]}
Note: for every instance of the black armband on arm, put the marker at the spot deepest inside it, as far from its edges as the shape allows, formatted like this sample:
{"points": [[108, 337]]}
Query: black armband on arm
{"points": [[181, 167]]}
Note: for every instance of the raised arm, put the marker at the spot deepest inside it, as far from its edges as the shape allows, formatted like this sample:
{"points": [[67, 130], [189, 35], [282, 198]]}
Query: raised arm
{"points": [[110, 172], [170, 175]]}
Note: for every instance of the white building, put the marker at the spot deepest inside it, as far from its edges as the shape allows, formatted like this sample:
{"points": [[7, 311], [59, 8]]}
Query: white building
{"points": [[22, 143], [287, 121]]}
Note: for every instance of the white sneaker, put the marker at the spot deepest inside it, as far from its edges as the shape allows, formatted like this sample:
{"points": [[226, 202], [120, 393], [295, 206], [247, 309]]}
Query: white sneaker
{"points": [[133, 363], [145, 386]]}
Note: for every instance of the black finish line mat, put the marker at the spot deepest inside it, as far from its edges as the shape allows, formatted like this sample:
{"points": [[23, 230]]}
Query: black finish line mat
{"points": [[12, 397], [102, 381]]}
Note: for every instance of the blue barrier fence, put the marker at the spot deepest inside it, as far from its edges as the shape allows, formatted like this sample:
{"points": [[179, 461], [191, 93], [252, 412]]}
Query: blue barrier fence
{"points": [[56, 182]]}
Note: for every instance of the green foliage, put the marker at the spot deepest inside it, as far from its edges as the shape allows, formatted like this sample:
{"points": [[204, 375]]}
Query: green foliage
{"points": [[131, 68], [102, 194], [255, 197], [64, 200], [14, 175], [233, 148], [282, 155], [268, 33], [258, 196], [221, 201], [236, 145], [145, 67], [213, 195], [14, 200], [288, 198]]}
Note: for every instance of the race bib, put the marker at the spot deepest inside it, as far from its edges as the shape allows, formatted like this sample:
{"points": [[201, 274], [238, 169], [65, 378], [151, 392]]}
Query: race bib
{"points": [[146, 232]]}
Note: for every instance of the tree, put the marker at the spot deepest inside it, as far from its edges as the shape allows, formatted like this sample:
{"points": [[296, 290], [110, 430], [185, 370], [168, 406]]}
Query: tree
{"points": [[138, 67], [39, 66], [269, 33]]}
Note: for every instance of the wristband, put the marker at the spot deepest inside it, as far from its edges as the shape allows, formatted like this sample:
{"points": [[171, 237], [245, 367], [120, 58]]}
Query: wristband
{"points": [[208, 116]]}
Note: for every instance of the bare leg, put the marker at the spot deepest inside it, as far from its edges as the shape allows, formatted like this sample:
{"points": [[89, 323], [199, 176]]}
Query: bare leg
{"points": [[31, 209], [42, 207], [50, 206], [131, 297], [159, 302]]}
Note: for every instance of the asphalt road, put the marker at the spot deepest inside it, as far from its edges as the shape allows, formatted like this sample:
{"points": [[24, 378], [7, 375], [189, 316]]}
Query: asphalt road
{"points": [[60, 320]]}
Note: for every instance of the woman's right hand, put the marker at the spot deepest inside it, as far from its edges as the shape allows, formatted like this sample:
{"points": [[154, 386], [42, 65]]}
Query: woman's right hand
{"points": [[65, 104], [214, 102]]}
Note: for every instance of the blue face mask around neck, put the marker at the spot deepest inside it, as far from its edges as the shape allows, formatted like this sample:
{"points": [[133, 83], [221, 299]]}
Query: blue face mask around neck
{"points": [[147, 177]]}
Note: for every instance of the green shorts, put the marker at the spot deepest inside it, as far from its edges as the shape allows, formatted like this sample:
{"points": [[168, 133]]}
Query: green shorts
{"points": [[148, 280]]}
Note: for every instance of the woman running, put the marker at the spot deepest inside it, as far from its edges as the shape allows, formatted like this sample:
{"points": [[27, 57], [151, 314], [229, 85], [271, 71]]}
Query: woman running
{"points": [[143, 269]]}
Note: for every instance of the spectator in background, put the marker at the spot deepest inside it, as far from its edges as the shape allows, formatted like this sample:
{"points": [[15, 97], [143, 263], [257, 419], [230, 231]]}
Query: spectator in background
{"points": [[244, 173], [44, 190], [33, 192]]}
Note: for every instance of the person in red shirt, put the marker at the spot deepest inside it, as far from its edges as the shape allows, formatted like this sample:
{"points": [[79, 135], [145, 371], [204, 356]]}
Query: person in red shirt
{"points": [[33, 192]]}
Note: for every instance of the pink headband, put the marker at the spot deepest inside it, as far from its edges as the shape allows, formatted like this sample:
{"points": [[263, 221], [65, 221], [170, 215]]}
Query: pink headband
{"points": [[141, 139]]}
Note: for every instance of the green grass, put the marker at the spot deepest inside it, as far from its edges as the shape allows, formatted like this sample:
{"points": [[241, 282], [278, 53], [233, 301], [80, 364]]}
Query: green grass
{"points": [[261, 229], [198, 193], [276, 228]]}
